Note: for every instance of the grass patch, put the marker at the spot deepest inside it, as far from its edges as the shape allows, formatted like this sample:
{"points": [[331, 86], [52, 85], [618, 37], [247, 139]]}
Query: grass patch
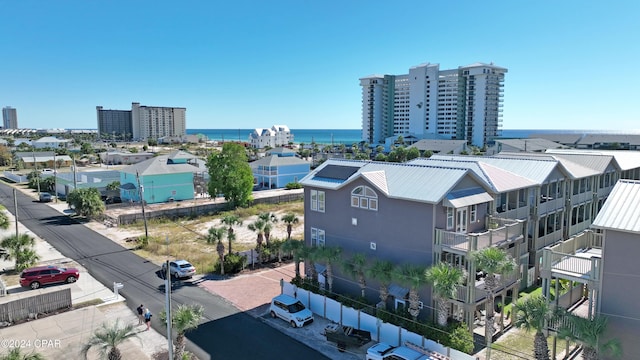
{"points": [[87, 303], [187, 236], [518, 344]]}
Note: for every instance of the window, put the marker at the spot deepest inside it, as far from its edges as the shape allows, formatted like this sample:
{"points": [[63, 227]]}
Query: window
{"points": [[473, 213], [364, 197], [317, 237], [449, 218], [317, 200]]}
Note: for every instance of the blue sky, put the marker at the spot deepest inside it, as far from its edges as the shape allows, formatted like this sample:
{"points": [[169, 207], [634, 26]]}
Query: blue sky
{"points": [[246, 64]]}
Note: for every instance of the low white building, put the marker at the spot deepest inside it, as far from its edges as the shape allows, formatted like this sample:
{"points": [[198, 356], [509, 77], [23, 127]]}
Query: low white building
{"points": [[50, 142], [277, 135]]}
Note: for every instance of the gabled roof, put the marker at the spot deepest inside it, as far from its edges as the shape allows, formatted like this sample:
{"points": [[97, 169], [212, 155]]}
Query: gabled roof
{"points": [[573, 169], [179, 154], [530, 145], [498, 179], [536, 170], [274, 160], [439, 146], [626, 159], [429, 184], [621, 211], [157, 166], [281, 150]]}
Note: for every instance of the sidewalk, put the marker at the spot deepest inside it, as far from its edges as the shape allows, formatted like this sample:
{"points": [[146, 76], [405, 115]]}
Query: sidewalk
{"points": [[63, 335]]}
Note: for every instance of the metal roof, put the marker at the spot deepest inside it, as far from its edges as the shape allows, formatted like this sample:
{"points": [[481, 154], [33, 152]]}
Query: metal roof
{"points": [[626, 159], [536, 170], [403, 181], [159, 165], [275, 160], [498, 179], [621, 211], [573, 170], [535, 144]]}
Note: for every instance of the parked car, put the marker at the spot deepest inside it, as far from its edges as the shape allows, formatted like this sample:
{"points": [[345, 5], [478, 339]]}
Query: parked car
{"points": [[345, 336], [408, 351], [290, 310], [45, 197], [44, 275], [179, 269]]}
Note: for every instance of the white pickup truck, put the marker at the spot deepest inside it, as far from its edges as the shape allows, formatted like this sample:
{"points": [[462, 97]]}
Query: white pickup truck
{"points": [[384, 351]]}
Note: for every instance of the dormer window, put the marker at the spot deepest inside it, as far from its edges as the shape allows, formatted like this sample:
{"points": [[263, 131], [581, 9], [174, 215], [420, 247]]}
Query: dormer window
{"points": [[365, 198]]}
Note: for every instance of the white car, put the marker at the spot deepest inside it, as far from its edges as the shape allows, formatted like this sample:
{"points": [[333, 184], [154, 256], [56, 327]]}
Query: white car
{"points": [[179, 269], [290, 310]]}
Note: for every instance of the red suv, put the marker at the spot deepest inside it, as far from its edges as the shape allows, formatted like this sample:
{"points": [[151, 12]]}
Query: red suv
{"points": [[43, 275]]}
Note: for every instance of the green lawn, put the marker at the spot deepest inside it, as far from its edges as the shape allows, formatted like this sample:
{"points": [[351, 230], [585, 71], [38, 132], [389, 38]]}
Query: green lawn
{"points": [[518, 344]]}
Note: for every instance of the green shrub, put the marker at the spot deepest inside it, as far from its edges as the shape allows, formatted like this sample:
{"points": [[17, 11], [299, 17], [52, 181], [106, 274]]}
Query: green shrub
{"points": [[293, 185], [233, 264], [460, 339]]}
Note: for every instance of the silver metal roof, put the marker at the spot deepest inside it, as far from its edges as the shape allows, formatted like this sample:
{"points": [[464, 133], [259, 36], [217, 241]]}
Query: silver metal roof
{"points": [[403, 181], [626, 159], [621, 211], [537, 170]]}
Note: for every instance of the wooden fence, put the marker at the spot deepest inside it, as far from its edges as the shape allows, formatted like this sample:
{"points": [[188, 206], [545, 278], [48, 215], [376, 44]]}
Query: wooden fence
{"points": [[29, 307]]}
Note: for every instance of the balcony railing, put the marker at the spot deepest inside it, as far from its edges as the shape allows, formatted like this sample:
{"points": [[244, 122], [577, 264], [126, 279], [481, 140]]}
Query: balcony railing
{"points": [[584, 265], [502, 232], [479, 291]]}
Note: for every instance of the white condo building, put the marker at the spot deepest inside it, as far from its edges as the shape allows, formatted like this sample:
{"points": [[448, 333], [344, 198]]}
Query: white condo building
{"points": [[277, 135], [154, 122], [9, 118], [456, 104]]}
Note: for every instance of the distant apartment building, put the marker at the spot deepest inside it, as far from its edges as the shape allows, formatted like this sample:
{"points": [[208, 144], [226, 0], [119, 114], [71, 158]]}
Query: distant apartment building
{"points": [[277, 135], [457, 104], [155, 122], [9, 118], [142, 122], [114, 124]]}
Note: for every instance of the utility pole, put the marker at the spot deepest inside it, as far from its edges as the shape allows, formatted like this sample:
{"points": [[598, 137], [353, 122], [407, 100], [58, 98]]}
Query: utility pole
{"points": [[15, 204], [144, 217], [75, 178], [167, 292], [55, 178], [35, 164], [168, 302]]}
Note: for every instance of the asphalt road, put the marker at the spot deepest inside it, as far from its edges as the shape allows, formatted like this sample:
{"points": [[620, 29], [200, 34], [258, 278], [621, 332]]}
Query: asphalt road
{"points": [[225, 333]]}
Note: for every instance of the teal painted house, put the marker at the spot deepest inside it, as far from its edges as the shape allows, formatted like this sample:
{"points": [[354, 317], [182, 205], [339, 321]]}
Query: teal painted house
{"points": [[161, 179], [279, 168]]}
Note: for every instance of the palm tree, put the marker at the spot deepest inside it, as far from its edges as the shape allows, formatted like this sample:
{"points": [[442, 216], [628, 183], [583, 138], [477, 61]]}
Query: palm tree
{"points": [[311, 254], [269, 219], [231, 220], [382, 271], [412, 276], [16, 354], [108, 338], [183, 319], [20, 248], [290, 219], [444, 280], [588, 333], [258, 227], [497, 264], [535, 313], [215, 235], [356, 267], [295, 248], [330, 255]]}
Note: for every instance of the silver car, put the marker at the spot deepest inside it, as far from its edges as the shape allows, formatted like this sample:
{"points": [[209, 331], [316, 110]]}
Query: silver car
{"points": [[179, 269]]}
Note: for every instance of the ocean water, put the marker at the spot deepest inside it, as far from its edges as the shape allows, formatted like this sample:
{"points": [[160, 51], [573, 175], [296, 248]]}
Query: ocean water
{"points": [[307, 136], [350, 136]]}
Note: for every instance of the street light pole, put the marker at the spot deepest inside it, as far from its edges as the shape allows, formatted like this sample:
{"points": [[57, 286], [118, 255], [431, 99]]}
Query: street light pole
{"points": [[168, 304], [35, 164], [144, 217]]}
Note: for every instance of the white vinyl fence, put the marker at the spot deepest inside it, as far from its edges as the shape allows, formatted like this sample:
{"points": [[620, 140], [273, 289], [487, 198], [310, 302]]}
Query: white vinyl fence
{"points": [[380, 331]]}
